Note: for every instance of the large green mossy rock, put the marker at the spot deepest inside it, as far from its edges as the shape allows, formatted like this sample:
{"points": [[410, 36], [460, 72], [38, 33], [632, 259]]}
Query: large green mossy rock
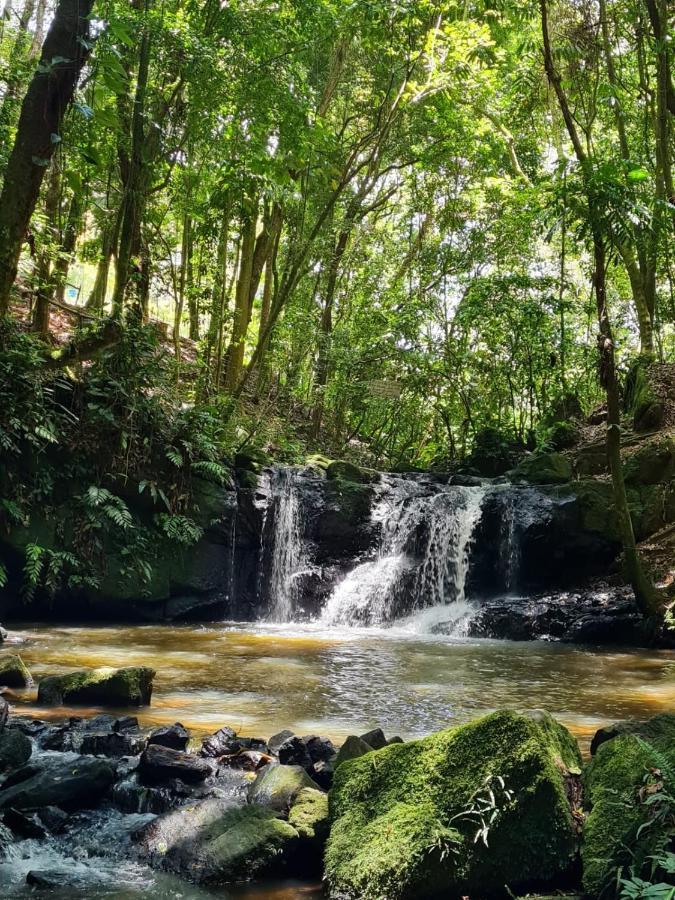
{"points": [[13, 672], [99, 687], [340, 469], [403, 821], [215, 842], [309, 814], [653, 463], [278, 786], [620, 786], [544, 468]]}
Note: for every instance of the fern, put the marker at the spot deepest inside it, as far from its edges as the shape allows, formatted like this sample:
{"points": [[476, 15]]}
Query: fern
{"points": [[174, 456], [3, 575], [213, 471], [179, 528]]}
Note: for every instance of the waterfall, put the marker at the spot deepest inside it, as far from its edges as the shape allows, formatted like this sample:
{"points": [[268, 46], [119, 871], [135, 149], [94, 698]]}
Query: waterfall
{"points": [[424, 553], [287, 547], [510, 544]]}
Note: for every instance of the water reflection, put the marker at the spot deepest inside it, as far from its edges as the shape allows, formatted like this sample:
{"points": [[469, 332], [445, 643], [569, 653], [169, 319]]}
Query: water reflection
{"points": [[262, 678]]}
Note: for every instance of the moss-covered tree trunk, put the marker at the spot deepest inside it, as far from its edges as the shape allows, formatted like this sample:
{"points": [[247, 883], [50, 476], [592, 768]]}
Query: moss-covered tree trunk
{"points": [[50, 92]]}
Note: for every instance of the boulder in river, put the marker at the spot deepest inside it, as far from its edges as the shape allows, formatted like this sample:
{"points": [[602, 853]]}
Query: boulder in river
{"points": [[278, 786], [160, 764], [13, 672], [623, 787], [353, 748], [15, 749], [102, 687], [174, 736], [215, 841], [219, 743], [113, 744], [415, 819], [66, 783], [4, 712], [309, 814]]}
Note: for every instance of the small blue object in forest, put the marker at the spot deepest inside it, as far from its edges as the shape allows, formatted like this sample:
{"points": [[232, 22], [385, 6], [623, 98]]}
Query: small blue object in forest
{"points": [[71, 293]]}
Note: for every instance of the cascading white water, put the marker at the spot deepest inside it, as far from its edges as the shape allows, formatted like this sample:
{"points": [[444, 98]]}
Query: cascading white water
{"points": [[287, 549], [426, 542], [510, 545]]}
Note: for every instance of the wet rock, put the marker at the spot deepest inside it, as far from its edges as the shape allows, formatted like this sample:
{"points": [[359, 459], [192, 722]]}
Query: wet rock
{"points": [[25, 825], [460, 480], [219, 743], [544, 468], [626, 769], [53, 818], [248, 760], [340, 469], [216, 842], [131, 796], [375, 739], [113, 744], [49, 878], [389, 809], [3, 634], [160, 764], [4, 712], [322, 773], [13, 672], [105, 687], [7, 841], [320, 749], [278, 739], [353, 748], [176, 737], [15, 749], [294, 752], [277, 786], [66, 783]]}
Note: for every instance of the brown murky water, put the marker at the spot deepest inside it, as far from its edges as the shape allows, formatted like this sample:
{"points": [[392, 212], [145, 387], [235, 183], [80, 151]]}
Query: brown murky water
{"points": [[262, 678]]}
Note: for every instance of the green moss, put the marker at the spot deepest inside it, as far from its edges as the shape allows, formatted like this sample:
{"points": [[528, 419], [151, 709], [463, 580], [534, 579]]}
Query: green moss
{"points": [[13, 672], [544, 468], [278, 786], [341, 470], [653, 463], [353, 499], [400, 822], [612, 783], [309, 814], [106, 687], [244, 843], [318, 461]]}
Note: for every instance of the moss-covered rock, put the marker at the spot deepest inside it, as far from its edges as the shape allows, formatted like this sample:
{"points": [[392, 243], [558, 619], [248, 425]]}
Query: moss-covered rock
{"points": [[652, 463], [627, 770], [404, 821], [252, 459], [13, 672], [101, 687], [544, 468], [278, 786], [211, 842], [309, 814], [340, 469], [561, 435]]}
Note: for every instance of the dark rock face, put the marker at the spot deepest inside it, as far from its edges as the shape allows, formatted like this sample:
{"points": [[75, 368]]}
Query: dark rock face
{"points": [[161, 764], [600, 615], [4, 712], [15, 749], [13, 672], [66, 783], [25, 825], [114, 744], [219, 743]]}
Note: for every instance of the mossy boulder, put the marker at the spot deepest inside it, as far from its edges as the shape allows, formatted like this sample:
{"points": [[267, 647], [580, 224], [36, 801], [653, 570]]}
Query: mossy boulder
{"points": [[653, 463], [561, 435], [353, 748], [544, 468], [340, 469], [99, 687], [403, 820], [13, 672], [277, 786], [309, 814], [252, 460], [621, 785], [214, 842]]}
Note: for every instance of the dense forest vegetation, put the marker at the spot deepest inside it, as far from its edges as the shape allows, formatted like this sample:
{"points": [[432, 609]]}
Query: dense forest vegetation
{"points": [[388, 231]]}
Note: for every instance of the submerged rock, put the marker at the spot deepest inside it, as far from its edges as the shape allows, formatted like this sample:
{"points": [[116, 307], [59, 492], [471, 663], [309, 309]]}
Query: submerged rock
{"points": [[105, 687], [66, 783], [623, 787], [160, 764], [15, 749], [13, 672], [412, 820]]}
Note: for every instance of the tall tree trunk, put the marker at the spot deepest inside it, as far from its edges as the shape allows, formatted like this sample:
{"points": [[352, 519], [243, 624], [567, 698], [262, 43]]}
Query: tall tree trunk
{"points": [[109, 237], [71, 232], [135, 187], [242, 312], [45, 281], [49, 94], [643, 589]]}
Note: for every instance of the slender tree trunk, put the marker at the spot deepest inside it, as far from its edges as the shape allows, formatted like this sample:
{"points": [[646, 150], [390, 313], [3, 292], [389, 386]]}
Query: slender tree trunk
{"points": [[643, 589], [49, 94], [45, 281], [192, 296], [242, 307], [182, 283], [67, 250], [109, 237]]}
